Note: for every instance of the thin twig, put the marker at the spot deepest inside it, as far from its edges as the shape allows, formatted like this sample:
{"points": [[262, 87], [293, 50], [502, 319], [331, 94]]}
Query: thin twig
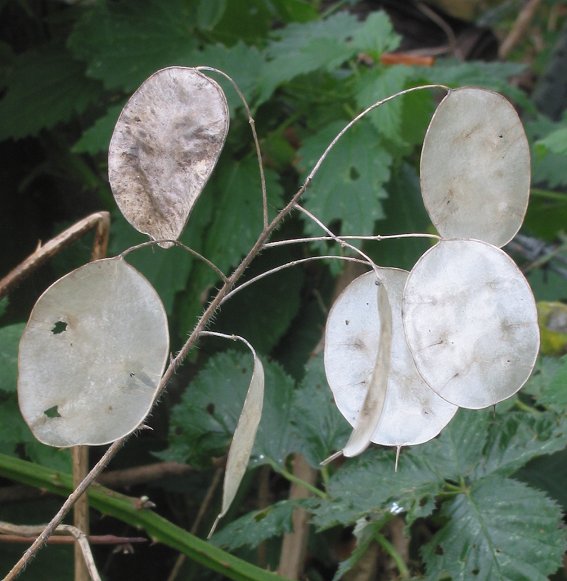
{"points": [[444, 26], [180, 245], [254, 136], [199, 328], [289, 265], [79, 536], [519, 28], [376, 238], [99, 220]]}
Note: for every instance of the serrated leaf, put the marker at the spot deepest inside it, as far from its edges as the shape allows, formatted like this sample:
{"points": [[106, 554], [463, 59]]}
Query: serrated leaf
{"points": [[320, 428], [349, 185], [244, 436], [555, 142], [97, 137], [555, 393], [257, 526], [301, 48], [369, 485], [500, 530], [203, 422], [515, 438], [47, 86], [377, 84], [164, 148], [111, 38], [9, 340], [376, 35], [237, 221]]}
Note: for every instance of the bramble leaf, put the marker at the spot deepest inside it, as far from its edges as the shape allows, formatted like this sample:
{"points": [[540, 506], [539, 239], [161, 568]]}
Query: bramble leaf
{"points": [[498, 530]]}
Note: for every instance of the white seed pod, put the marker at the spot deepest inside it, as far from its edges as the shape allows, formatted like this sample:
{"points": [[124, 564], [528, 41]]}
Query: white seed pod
{"points": [[471, 322], [92, 355], [475, 167], [165, 145], [412, 412]]}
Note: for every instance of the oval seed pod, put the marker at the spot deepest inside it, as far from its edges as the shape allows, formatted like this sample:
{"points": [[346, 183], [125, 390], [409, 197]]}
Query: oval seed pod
{"points": [[471, 323], [165, 145], [412, 412], [92, 355], [475, 167]]}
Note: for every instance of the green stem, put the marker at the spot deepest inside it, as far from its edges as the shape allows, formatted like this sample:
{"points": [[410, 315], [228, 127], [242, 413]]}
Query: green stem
{"points": [[292, 478], [131, 511], [549, 194], [525, 407], [391, 550]]}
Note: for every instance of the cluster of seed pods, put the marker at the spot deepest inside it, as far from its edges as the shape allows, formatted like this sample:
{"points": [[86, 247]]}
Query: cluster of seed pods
{"points": [[464, 329]]}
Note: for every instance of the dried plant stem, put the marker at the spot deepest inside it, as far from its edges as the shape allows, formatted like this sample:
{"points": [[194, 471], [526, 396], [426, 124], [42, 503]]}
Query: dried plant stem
{"points": [[188, 249], [79, 536], [294, 545], [376, 238], [254, 136], [519, 28], [199, 328], [289, 265], [100, 221]]}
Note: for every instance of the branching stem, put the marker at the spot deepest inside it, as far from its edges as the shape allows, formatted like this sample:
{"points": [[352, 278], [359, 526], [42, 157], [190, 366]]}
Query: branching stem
{"points": [[201, 325], [194, 253]]}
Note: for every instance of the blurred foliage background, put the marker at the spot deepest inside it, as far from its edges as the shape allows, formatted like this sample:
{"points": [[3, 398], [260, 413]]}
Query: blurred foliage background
{"points": [[306, 68]]}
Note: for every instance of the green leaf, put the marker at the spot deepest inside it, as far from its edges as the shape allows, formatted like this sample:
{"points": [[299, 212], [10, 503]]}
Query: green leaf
{"points": [[515, 438], [377, 84], [350, 184], [9, 341], [242, 62], [237, 220], [122, 43], [47, 86], [301, 48], [499, 530], [555, 142], [264, 311], [376, 35], [203, 422], [319, 426], [97, 137], [369, 485], [209, 13], [257, 526]]}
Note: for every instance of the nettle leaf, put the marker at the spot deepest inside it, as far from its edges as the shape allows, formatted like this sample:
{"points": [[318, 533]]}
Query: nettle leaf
{"points": [[500, 530], [515, 438], [376, 35], [164, 148], [555, 394], [242, 62], [9, 340], [301, 48], [111, 35], [97, 137], [350, 184], [237, 220], [257, 526], [203, 422], [368, 485], [46, 87], [377, 84], [320, 428], [92, 355]]}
